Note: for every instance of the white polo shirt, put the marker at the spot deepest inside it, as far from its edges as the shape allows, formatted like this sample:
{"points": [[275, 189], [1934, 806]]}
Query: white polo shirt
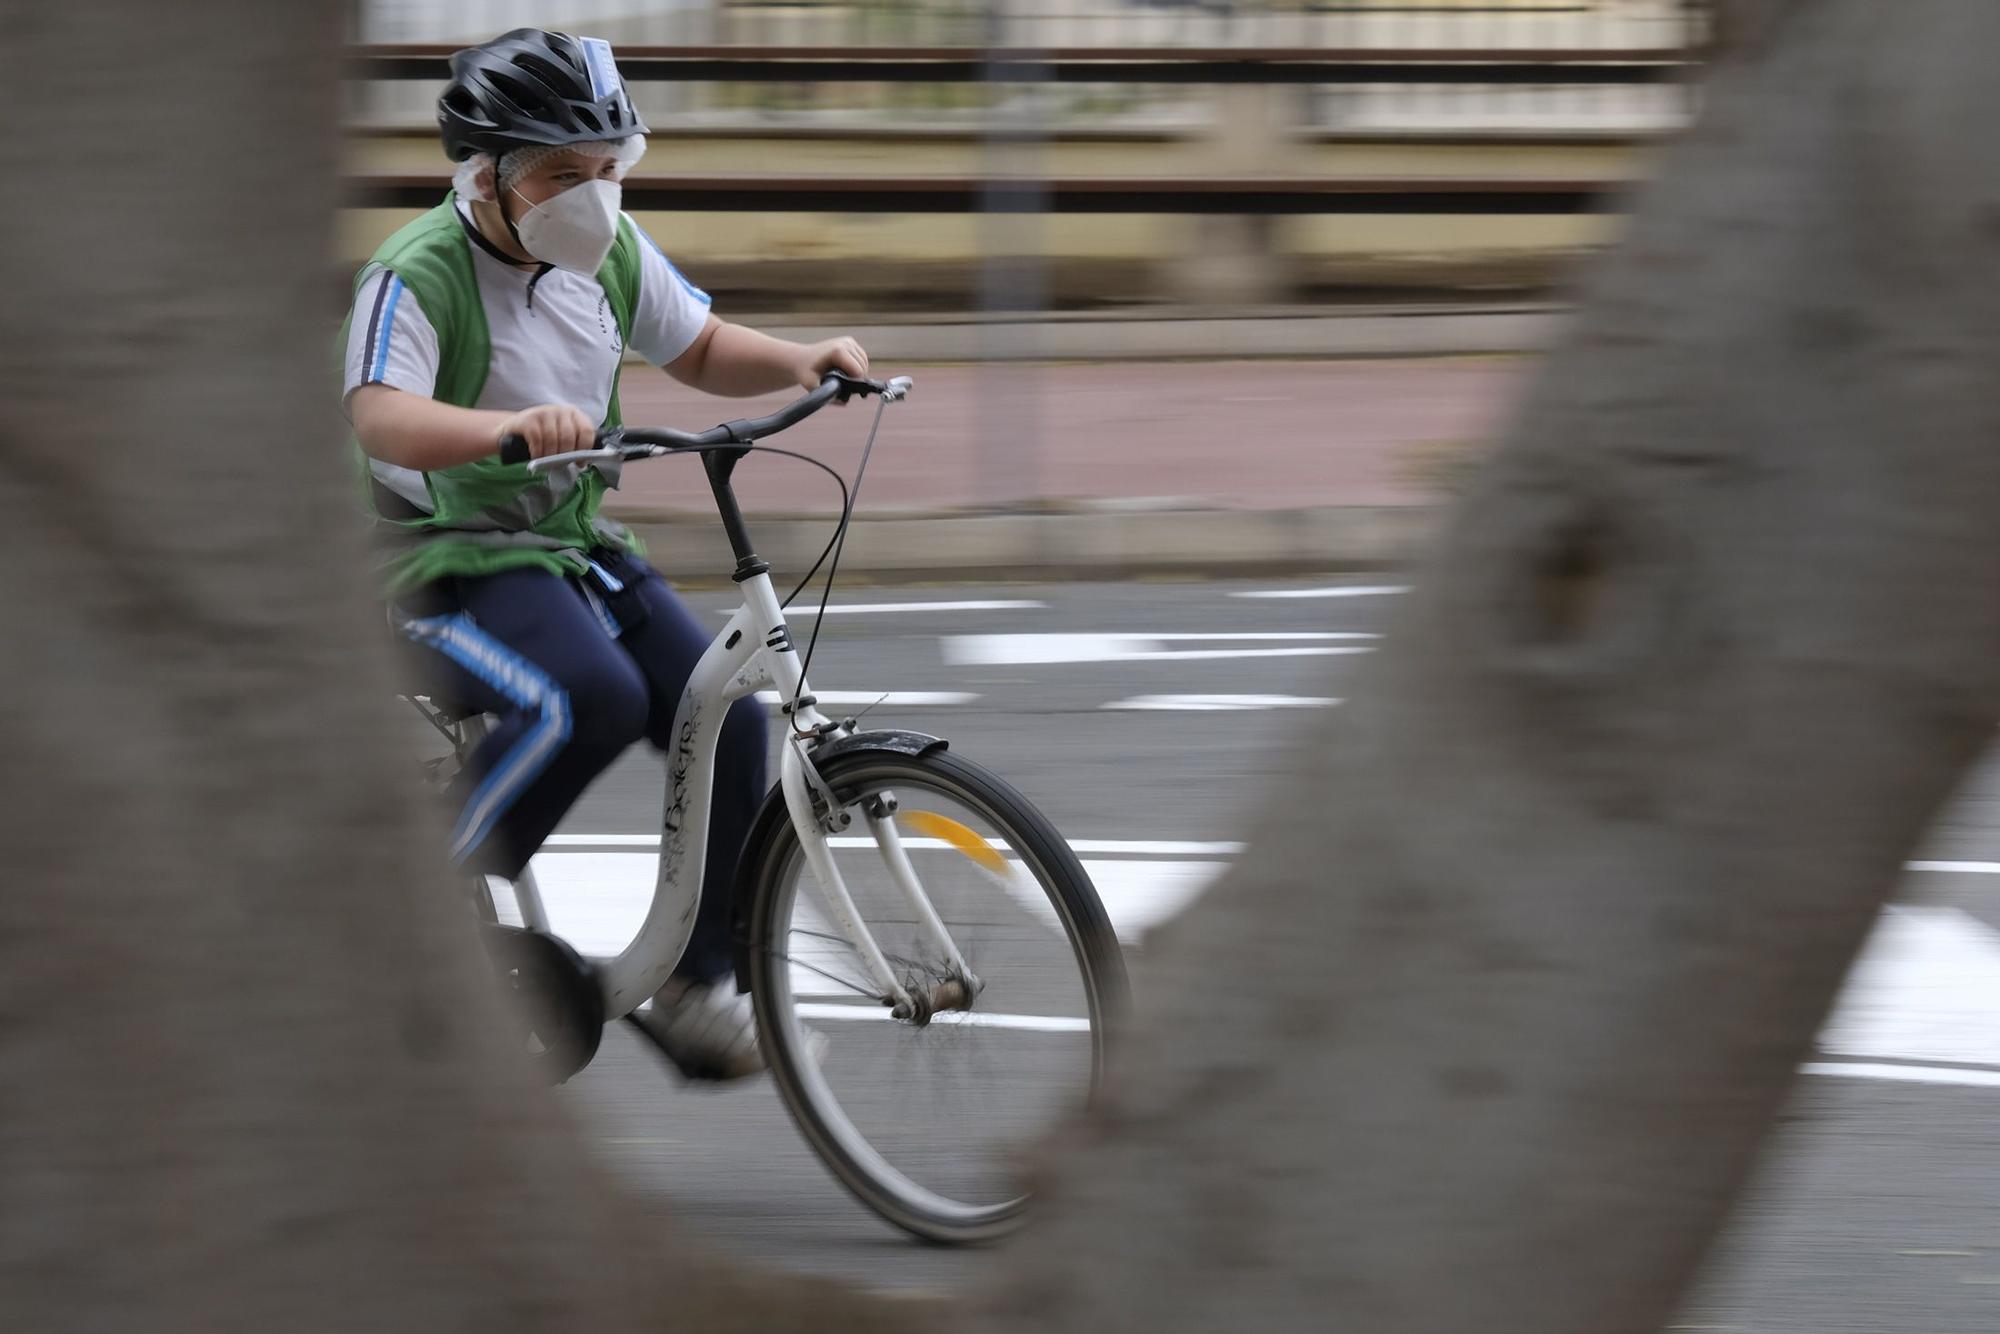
{"points": [[554, 337]]}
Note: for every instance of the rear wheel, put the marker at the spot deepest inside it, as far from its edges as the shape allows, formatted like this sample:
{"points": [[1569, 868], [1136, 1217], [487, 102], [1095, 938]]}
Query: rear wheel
{"points": [[925, 1117]]}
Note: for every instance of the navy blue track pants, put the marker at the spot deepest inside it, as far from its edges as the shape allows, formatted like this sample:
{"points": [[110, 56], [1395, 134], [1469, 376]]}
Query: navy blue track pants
{"points": [[576, 669]]}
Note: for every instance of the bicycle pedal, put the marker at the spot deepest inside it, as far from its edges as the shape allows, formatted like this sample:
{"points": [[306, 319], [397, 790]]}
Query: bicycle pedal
{"points": [[557, 1008]]}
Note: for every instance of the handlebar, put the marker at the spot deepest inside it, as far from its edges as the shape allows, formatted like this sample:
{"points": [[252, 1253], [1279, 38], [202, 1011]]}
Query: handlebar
{"points": [[642, 442]]}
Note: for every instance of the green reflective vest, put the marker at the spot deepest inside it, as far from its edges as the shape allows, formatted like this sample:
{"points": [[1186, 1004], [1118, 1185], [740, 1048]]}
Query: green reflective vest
{"points": [[487, 516]]}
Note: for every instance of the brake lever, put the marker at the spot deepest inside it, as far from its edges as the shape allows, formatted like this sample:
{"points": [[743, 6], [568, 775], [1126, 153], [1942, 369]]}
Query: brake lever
{"points": [[600, 455], [850, 386]]}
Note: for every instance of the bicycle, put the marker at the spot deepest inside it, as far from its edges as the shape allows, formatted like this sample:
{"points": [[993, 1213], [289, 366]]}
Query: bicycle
{"points": [[913, 963]]}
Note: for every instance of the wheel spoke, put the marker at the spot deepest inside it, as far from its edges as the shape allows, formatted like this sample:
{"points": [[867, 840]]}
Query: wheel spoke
{"points": [[908, 961], [834, 978], [923, 1117]]}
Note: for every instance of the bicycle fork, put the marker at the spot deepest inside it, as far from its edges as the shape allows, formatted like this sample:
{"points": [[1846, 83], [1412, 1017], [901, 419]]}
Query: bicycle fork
{"points": [[798, 778], [954, 992]]}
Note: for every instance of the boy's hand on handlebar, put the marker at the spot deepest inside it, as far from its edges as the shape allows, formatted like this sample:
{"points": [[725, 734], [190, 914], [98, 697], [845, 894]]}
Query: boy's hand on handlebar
{"points": [[835, 354], [550, 428]]}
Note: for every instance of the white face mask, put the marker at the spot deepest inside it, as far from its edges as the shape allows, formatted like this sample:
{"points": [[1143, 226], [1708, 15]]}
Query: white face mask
{"points": [[575, 229]]}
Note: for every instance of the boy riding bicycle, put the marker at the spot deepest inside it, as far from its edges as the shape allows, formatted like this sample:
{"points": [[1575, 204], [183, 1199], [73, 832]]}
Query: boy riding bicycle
{"points": [[506, 310]]}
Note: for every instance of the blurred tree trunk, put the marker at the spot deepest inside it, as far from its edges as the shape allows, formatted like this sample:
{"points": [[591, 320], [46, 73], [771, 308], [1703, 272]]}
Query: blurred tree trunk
{"points": [[249, 1078], [1484, 1029], [1741, 28], [1481, 1034]]}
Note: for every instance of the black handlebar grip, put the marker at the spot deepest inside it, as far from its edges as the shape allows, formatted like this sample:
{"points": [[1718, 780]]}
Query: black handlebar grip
{"points": [[514, 449]]}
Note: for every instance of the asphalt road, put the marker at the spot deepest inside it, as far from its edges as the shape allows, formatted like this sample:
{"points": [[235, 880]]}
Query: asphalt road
{"points": [[1140, 717]]}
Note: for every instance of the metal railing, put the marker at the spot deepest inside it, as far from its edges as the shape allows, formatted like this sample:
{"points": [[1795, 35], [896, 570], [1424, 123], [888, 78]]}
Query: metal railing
{"points": [[963, 92], [1571, 24], [1208, 193], [1227, 195], [1208, 65]]}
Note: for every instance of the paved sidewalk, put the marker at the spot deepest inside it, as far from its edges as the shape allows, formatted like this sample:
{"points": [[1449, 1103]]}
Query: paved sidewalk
{"points": [[1409, 328], [1060, 470]]}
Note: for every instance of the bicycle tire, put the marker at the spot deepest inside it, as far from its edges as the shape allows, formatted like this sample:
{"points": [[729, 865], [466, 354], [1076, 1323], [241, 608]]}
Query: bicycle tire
{"points": [[827, 1126]]}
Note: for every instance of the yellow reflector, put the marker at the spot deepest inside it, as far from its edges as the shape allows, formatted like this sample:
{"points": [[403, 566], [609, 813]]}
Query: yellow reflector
{"points": [[932, 825]]}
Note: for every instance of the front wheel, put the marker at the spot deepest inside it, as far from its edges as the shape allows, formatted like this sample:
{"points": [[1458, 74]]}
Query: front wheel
{"points": [[925, 1117]]}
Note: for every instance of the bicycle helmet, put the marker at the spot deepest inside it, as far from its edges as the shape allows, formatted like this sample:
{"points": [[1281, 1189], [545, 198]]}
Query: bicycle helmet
{"points": [[529, 87]]}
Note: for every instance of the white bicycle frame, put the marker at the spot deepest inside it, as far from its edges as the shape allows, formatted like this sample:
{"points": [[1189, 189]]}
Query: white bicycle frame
{"points": [[753, 652]]}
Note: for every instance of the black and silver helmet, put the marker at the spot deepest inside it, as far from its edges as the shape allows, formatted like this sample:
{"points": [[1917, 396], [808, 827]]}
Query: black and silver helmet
{"points": [[531, 87]]}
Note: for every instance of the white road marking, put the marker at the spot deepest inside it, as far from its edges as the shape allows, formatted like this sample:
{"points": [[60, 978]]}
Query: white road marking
{"points": [[1905, 1074], [1034, 1023], [1218, 654], [1110, 847], [1218, 703], [816, 953], [1925, 991], [1138, 896], [1119, 847], [1348, 591], [1248, 634], [1134, 847], [1027, 649], [1926, 988], [905, 698], [881, 608], [596, 900]]}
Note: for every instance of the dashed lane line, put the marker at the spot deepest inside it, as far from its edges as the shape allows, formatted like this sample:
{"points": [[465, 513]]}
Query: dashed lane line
{"points": [[1017, 650], [891, 698], [890, 608], [1218, 703], [1343, 591]]}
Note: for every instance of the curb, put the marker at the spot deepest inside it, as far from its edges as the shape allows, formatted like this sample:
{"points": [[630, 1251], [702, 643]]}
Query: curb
{"points": [[1104, 543]]}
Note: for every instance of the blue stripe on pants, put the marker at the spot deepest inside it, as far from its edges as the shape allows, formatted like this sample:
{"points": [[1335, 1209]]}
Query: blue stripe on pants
{"points": [[459, 638]]}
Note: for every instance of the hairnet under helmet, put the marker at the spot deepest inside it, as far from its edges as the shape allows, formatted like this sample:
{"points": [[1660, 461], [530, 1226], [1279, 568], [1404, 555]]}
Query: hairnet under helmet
{"points": [[530, 87], [483, 178]]}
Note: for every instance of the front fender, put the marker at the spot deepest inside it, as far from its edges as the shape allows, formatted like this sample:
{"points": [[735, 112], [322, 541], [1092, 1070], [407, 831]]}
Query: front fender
{"points": [[891, 742], [826, 755]]}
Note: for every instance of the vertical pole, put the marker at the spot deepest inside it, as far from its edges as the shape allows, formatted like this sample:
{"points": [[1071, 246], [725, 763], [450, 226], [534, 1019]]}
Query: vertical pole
{"points": [[1014, 271]]}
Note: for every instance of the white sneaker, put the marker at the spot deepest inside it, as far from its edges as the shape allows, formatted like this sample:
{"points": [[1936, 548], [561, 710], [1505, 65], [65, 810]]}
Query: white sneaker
{"points": [[707, 1029]]}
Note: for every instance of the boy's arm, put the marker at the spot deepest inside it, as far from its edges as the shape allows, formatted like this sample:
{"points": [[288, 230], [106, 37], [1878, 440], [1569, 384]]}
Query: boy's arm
{"points": [[412, 431], [738, 362]]}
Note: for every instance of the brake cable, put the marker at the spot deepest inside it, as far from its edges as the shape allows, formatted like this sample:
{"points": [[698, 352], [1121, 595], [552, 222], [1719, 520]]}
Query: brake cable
{"points": [[835, 547], [835, 544]]}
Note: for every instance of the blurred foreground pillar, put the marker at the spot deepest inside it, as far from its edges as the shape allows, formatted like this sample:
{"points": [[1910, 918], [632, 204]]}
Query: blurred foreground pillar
{"points": [[1483, 1030], [253, 1076]]}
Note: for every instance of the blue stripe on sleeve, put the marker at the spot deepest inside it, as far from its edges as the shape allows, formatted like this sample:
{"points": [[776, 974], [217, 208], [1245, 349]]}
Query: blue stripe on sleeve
{"points": [[374, 327], [385, 328], [679, 277]]}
